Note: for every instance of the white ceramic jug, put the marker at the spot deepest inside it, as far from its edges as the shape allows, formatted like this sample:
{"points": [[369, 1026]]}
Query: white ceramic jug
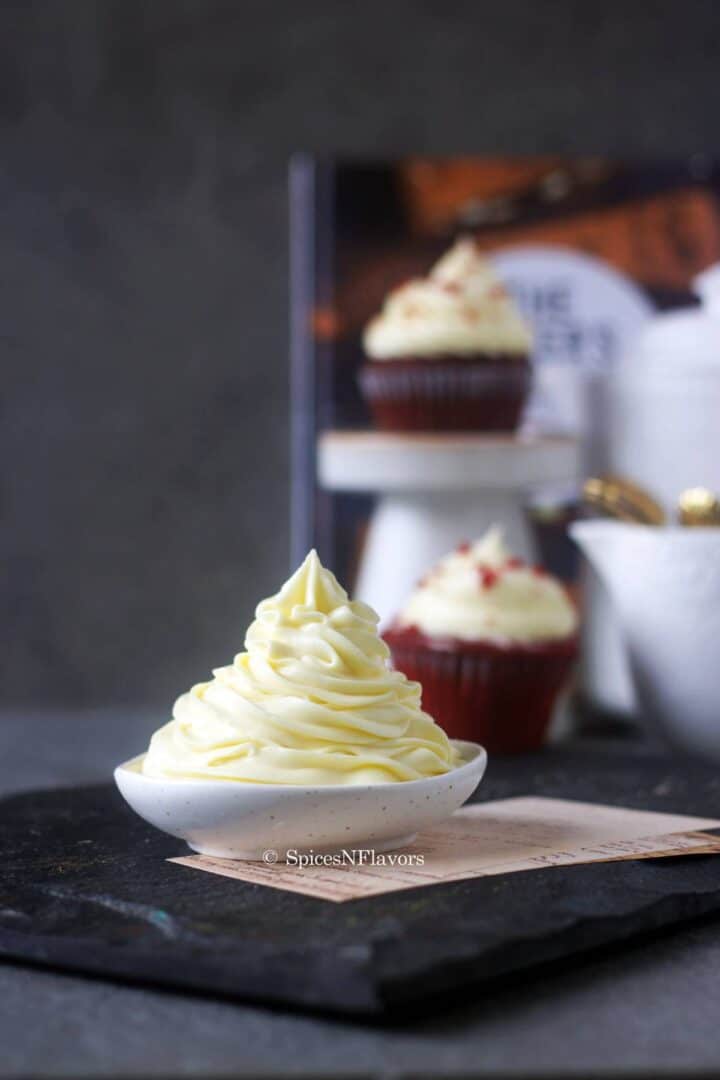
{"points": [[665, 588], [663, 401]]}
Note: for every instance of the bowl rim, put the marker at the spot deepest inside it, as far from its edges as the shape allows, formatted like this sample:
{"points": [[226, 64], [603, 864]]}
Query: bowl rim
{"points": [[478, 759], [688, 534]]}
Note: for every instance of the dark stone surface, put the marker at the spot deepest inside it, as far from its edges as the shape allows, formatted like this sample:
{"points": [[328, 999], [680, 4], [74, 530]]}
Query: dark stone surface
{"points": [[646, 1007], [85, 886]]}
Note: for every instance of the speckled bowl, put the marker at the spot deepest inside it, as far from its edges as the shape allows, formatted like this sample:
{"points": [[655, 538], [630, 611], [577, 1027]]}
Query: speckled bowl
{"points": [[234, 820]]}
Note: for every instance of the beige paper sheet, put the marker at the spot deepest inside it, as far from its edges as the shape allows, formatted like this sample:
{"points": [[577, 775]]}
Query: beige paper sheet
{"points": [[488, 838]]}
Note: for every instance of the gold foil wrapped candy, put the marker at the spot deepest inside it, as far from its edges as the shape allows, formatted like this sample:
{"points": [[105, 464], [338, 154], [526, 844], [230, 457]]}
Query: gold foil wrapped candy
{"points": [[619, 498], [698, 506]]}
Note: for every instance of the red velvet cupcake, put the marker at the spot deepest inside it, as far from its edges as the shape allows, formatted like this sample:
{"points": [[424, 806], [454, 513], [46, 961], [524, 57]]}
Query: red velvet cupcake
{"points": [[449, 352], [492, 641]]}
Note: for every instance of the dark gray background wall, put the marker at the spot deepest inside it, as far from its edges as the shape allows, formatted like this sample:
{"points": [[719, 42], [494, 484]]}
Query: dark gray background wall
{"points": [[143, 285]]}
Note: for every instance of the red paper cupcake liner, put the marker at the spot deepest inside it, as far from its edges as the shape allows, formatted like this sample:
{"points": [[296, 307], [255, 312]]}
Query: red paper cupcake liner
{"points": [[458, 394], [500, 696]]}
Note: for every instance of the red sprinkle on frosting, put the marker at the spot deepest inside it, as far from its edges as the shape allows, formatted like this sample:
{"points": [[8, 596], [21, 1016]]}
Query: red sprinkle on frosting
{"points": [[463, 548], [488, 577], [514, 563], [539, 570]]}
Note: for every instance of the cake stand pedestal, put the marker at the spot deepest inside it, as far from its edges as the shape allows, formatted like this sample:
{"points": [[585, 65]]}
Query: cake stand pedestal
{"points": [[436, 490]]}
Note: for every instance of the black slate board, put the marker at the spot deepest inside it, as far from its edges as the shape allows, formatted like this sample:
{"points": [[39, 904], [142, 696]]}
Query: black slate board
{"points": [[85, 886]]}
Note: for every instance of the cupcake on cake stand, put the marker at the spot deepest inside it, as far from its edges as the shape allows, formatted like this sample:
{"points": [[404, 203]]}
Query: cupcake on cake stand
{"points": [[446, 377]]}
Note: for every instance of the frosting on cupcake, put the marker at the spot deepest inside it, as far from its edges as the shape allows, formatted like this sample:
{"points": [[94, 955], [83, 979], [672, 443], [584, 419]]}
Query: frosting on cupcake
{"points": [[460, 309], [481, 593], [312, 700]]}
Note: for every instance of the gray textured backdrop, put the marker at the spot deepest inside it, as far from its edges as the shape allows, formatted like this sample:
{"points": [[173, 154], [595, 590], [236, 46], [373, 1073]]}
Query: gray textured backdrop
{"points": [[143, 289]]}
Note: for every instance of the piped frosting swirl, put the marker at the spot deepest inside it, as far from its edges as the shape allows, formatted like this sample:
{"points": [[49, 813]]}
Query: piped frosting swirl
{"points": [[311, 701], [480, 592], [460, 308]]}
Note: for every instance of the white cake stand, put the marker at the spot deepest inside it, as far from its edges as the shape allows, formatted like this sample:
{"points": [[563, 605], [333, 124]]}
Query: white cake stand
{"points": [[435, 491]]}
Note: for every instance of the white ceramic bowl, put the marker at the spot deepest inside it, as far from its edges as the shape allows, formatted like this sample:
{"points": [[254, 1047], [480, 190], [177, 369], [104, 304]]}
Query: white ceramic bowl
{"points": [[244, 821], [665, 587]]}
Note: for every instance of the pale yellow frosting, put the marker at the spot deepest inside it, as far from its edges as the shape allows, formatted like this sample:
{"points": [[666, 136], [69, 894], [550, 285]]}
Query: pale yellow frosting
{"points": [[461, 308], [311, 701], [479, 593]]}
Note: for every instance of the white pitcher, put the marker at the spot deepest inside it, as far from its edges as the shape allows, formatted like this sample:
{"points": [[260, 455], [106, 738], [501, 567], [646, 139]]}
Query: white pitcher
{"points": [[665, 587]]}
